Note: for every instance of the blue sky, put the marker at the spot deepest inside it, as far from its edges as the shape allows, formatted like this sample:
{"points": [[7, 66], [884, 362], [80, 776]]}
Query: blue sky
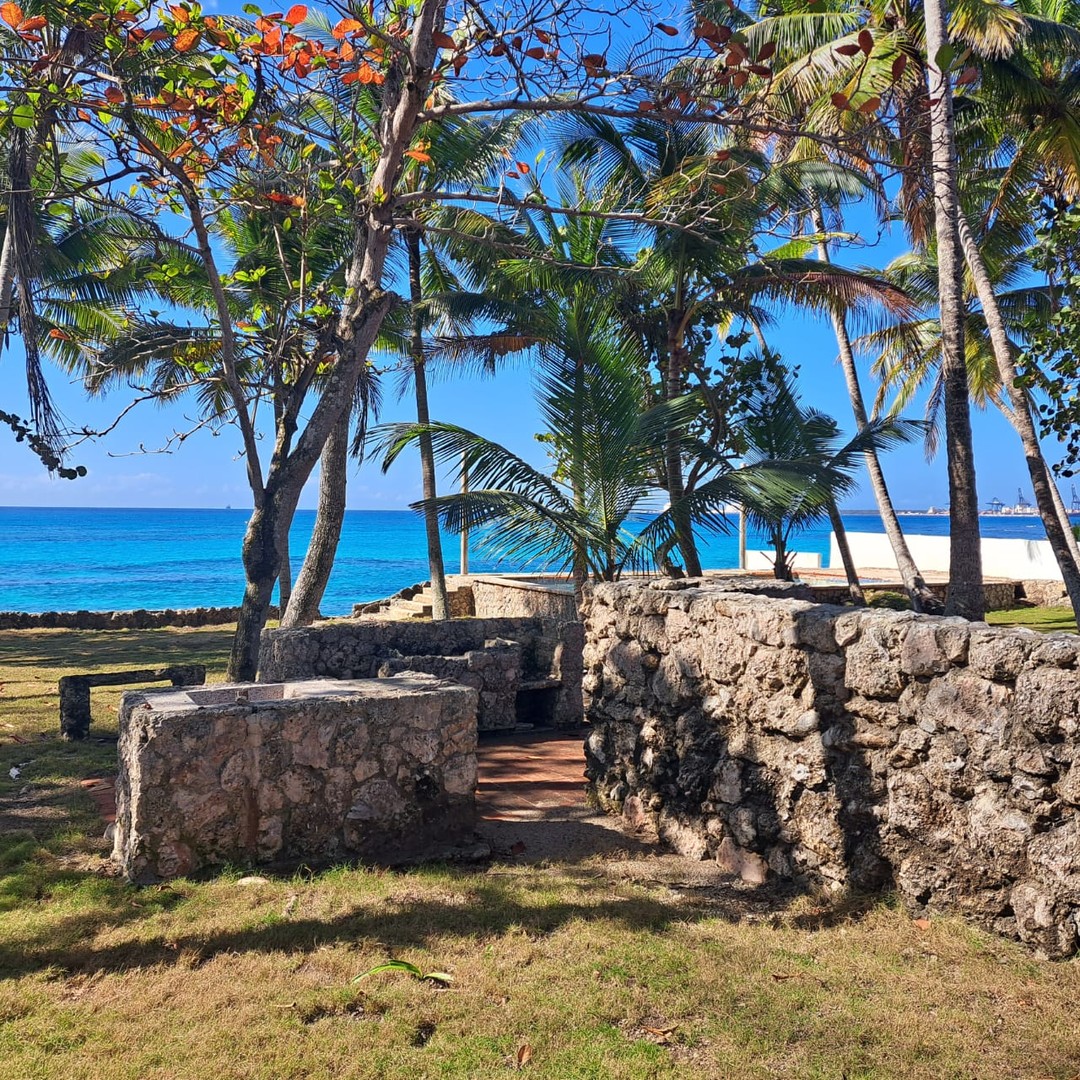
{"points": [[206, 471]]}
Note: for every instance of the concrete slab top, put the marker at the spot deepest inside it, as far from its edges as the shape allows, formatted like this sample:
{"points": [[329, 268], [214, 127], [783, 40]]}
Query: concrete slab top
{"points": [[286, 694]]}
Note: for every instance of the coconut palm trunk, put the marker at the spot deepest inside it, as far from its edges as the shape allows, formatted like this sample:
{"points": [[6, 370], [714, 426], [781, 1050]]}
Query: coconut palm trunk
{"points": [[1020, 417], [965, 596], [303, 605], [851, 571], [922, 599], [673, 388], [440, 603]]}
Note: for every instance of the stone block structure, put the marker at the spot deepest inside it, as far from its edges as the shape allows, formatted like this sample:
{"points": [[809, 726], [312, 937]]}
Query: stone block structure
{"points": [[851, 747], [510, 662], [310, 771]]}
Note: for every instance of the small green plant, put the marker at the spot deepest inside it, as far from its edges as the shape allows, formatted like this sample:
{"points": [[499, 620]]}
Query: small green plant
{"points": [[890, 601], [439, 977]]}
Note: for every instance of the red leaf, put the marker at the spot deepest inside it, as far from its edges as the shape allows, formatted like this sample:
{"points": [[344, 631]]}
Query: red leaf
{"points": [[443, 40], [722, 155], [114, 94], [523, 168], [35, 23], [870, 105], [761, 69], [671, 31], [535, 52], [544, 36], [968, 75], [459, 62], [898, 66], [296, 15], [186, 40], [523, 1056], [866, 41], [498, 49], [12, 14], [646, 106], [840, 101], [847, 50], [766, 51], [515, 175], [346, 26], [593, 64]]}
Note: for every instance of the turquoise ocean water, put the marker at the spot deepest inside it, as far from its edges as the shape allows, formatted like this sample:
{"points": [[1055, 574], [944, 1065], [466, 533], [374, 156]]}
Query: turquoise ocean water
{"points": [[54, 559]]}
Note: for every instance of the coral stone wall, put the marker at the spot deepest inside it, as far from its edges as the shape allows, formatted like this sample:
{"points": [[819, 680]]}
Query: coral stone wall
{"points": [[846, 746], [304, 772], [508, 598]]}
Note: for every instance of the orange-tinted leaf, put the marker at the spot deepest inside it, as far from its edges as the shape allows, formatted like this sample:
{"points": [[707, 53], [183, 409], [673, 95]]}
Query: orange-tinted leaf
{"points": [[59, 335], [157, 34], [535, 52], [419, 155], [847, 50], [12, 14], [523, 168], [514, 175], [346, 26], [35, 23], [898, 66], [766, 51], [443, 40], [296, 15], [265, 25], [840, 101], [968, 75], [722, 155], [921, 924], [866, 41], [593, 64], [179, 14], [664, 28], [186, 40], [523, 1056], [646, 106], [544, 36], [114, 94], [870, 105], [459, 62]]}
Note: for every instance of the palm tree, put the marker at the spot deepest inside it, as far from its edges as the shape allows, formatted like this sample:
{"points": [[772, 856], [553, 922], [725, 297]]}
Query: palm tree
{"points": [[778, 429]]}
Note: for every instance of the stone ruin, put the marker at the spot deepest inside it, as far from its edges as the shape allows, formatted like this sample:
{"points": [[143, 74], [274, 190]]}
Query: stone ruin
{"points": [[310, 771], [846, 747]]}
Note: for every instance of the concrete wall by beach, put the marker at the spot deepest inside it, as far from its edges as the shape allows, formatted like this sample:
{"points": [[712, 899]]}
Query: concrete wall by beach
{"points": [[1004, 558]]}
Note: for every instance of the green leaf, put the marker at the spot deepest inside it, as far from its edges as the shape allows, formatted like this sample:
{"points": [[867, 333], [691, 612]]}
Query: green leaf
{"points": [[945, 56], [22, 116]]}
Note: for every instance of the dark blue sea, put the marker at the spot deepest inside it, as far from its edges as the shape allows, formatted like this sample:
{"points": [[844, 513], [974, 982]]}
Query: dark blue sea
{"points": [[54, 559]]}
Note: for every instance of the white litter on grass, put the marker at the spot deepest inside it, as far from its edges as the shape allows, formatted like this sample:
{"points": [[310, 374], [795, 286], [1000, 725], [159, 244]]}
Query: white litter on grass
{"points": [[16, 770]]}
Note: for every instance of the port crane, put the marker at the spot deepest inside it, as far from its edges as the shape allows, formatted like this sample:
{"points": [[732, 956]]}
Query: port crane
{"points": [[1074, 508]]}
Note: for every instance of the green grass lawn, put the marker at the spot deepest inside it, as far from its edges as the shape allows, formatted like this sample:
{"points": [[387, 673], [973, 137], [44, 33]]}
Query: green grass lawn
{"points": [[559, 971], [1047, 619]]}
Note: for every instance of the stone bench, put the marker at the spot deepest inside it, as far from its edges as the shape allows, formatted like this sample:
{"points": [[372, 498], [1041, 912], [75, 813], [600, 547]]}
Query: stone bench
{"points": [[75, 691]]}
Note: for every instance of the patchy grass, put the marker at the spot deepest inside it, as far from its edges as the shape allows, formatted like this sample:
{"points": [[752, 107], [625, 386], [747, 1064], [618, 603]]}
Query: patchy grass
{"points": [[567, 969], [1046, 619]]}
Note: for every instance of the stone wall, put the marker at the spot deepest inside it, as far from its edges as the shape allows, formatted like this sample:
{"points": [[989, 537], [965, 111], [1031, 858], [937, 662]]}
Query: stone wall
{"points": [[121, 620], [311, 772], [502, 597], [550, 657], [847, 746]]}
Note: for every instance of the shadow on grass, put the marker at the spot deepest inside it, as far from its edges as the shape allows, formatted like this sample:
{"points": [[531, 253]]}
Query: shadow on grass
{"points": [[493, 905]]}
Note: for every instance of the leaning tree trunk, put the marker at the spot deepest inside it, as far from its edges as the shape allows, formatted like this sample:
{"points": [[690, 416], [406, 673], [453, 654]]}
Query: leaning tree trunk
{"points": [[303, 608], [440, 602], [922, 599], [1063, 514], [965, 596], [673, 385], [1020, 417], [850, 569]]}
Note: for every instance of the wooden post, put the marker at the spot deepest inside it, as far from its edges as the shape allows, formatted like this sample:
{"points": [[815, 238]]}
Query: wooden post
{"points": [[464, 532]]}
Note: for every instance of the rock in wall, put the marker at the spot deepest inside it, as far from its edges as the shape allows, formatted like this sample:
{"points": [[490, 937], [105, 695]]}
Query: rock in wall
{"points": [[853, 747]]}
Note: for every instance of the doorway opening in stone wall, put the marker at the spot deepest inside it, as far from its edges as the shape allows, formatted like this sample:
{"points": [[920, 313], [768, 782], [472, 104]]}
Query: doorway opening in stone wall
{"points": [[536, 704]]}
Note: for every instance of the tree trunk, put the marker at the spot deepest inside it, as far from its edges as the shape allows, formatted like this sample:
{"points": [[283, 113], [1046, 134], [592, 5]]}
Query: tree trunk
{"points": [[673, 385], [850, 570], [285, 577], [1062, 512], [922, 599], [303, 608], [440, 603], [965, 596], [1020, 417]]}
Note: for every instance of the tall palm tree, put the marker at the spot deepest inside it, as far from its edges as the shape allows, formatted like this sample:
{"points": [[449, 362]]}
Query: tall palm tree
{"points": [[777, 428]]}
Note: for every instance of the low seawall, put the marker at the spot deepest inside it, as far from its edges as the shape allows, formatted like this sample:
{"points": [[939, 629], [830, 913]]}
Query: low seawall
{"points": [[851, 747], [120, 620]]}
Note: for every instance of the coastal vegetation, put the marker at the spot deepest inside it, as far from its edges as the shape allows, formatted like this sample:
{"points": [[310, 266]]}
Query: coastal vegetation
{"points": [[583, 968], [254, 211]]}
